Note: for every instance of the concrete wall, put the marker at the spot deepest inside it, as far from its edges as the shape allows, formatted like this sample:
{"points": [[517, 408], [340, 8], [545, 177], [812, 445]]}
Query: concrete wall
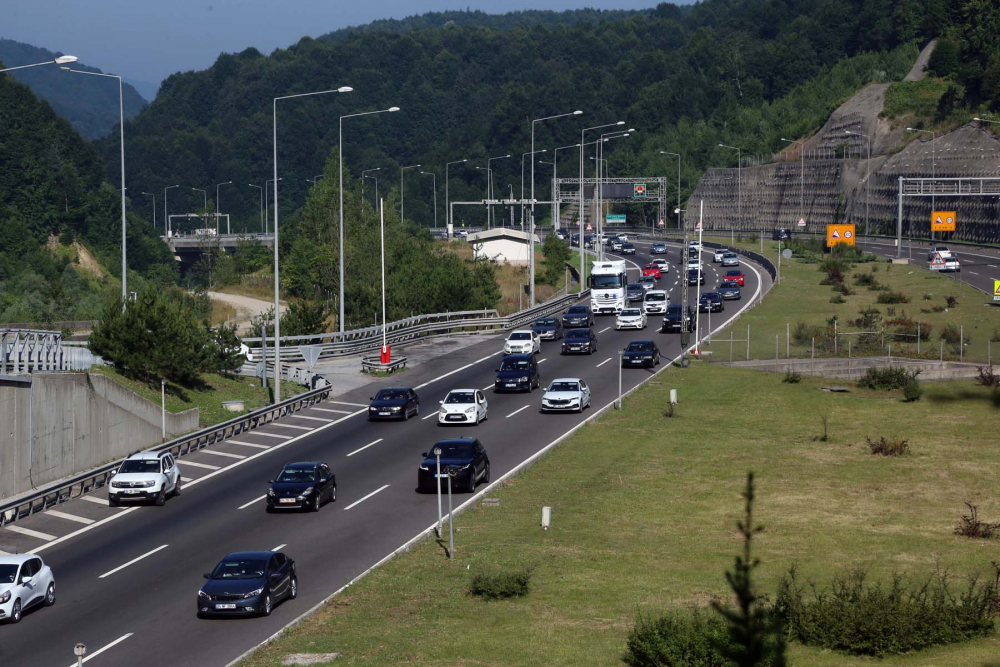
{"points": [[60, 424], [852, 369]]}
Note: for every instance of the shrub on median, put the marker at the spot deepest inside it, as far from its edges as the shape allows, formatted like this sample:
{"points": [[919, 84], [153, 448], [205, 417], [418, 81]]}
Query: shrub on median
{"points": [[501, 584]]}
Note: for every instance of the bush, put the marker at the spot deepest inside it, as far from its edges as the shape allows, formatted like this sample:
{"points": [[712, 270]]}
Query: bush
{"points": [[885, 447], [843, 289], [912, 391], [952, 334], [501, 584], [951, 301], [970, 525], [677, 639], [986, 377], [927, 297], [865, 280], [792, 377], [892, 297], [858, 617], [886, 379], [838, 298]]}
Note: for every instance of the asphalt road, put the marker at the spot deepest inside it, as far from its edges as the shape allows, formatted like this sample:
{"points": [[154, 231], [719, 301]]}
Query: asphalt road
{"points": [[127, 579]]}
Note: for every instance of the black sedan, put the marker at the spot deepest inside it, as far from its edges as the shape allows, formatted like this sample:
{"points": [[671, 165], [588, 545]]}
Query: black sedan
{"points": [[302, 485], [394, 403], [641, 353], [517, 372], [578, 316], [248, 583], [579, 341], [628, 249], [635, 292], [696, 277], [710, 302], [658, 249], [548, 328], [463, 459], [729, 290], [672, 320]]}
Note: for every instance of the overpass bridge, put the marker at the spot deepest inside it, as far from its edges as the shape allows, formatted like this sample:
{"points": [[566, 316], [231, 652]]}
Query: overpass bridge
{"points": [[188, 248]]}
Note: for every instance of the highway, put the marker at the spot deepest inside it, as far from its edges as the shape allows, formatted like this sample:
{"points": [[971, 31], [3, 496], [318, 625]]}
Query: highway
{"points": [[127, 578], [980, 266]]}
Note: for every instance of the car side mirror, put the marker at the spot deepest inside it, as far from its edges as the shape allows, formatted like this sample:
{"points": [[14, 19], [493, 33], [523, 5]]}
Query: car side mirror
{"points": [[26, 580], [275, 576], [496, 370], [423, 454], [371, 398], [207, 575], [440, 402], [270, 481], [330, 477]]}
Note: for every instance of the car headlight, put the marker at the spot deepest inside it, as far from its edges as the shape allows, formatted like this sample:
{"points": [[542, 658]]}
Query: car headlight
{"points": [[470, 411], [524, 379], [466, 467], [442, 411], [201, 594], [308, 490], [270, 492], [424, 468], [253, 594], [395, 409], [148, 483], [4, 597]]}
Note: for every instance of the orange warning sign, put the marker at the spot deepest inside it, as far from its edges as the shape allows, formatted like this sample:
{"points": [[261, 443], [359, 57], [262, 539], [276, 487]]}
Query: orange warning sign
{"points": [[943, 221], [839, 234]]}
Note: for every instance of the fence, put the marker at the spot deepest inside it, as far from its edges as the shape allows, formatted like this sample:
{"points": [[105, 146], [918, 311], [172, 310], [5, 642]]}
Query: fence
{"points": [[33, 350]]}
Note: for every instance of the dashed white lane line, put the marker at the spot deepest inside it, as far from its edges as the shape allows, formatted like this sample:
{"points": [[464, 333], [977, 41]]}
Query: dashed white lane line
{"points": [[972, 273], [604, 362], [489, 386], [201, 465], [433, 414], [187, 479], [542, 361], [358, 502], [339, 412], [273, 435], [300, 428], [94, 499], [315, 419], [226, 454], [279, 547], [603, 330], [30, 533], [353, 405], [134, 560], [366, 447], [247, 444], [516, 411], [255, 500], [104, 648], [992, 266], [459, 370], [70, 517]]}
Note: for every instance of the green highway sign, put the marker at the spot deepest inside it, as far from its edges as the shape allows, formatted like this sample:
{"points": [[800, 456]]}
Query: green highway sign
{"points": [[616, 218]]}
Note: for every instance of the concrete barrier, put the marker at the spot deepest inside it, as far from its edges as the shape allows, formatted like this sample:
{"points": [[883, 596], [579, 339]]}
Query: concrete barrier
{"points": [[854, 367], [59, 424]]}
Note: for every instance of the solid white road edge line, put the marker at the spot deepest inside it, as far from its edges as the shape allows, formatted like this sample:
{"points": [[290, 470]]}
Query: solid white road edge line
{"points": [[134, 560], [255, 500], [361, 449], [358, 502], [105, 648], [475, 497], [516, 411]]}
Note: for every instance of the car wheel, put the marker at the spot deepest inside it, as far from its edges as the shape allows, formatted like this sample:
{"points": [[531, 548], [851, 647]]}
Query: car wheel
{"points": [[406, 414], [112, 502], [472, 481], [314, 505], [416, 411], [486, 475], [50, 594], [269, 508], [293, 588], [15, 613], [161, 498], [267, 606], [177, 487]]}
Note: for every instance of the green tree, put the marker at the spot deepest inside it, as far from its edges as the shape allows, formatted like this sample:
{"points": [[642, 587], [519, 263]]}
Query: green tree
{"points": [[944, 59], [224, 354], [556, 254]]}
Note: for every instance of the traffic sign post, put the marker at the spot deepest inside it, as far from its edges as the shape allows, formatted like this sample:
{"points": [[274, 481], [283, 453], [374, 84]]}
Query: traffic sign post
{"points": [[801, 222], [943, 221], [839, 234], [437, 477], [996, 290]]}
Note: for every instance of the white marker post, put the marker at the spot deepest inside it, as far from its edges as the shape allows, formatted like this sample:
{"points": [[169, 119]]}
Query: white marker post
{"points": [[437, 453]]}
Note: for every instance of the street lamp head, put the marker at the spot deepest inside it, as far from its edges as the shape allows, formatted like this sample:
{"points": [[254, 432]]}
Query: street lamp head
{"points": [[621, 122], [345, 89], [66, 69], [978, 119], [624, 135], [393, 109], [722, 145], [631, 129], [65, 60], [909, 129], [577, 112]]}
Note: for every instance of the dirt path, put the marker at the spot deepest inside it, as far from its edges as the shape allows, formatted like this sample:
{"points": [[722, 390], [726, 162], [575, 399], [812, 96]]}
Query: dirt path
{"points": [[246, 307]]}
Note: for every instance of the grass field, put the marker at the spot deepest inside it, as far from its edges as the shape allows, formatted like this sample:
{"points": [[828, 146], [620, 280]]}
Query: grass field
{"points": [[644, 512], [207, 398], [801, 298]]}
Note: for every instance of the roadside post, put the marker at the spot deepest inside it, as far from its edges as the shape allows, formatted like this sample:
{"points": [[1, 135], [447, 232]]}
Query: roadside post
{"points": [[437, 477], [163, 411], [621, 360], [451, 518], [79, 651]]}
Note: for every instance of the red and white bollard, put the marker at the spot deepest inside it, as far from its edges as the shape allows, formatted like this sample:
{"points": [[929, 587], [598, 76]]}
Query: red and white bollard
{"points": [[384, 354]]}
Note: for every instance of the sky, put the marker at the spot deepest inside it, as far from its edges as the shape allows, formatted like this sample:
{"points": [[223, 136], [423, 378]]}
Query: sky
{"points": [[147, 40]]}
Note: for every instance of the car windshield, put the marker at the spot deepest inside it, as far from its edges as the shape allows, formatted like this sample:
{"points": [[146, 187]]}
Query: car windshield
{"points": [[733, 273], [140, 465], [240, 568], [549, 322], [519, 335], [653, 296], [631, 312], [390, 395], [7, 574], [647, 280], [627, 245], [578, 333], [454, 450], [564, 386], [635, 287], [708, 296], [460, 397], [295, 475], [729, 254], [606, 282], [514, 365], [639, 346], [673, 310], [577, 310]]}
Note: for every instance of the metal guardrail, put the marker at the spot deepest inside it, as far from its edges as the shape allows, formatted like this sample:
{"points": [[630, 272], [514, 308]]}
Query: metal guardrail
{"points": [[74, 487]]}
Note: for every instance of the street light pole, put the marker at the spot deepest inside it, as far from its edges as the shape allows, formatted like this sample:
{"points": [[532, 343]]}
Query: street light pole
{"points": [[435, 181], [267, 204], [523, 155], [489, 185], [401, 170], [933, 172], [274, 148], [583, 143], [868, 183], [364, 175], [261, 188], [150, 194], [340, 166], [449, 223], [218, 207], [166, 218], [678, 155], [739, 179], [555, 195]]}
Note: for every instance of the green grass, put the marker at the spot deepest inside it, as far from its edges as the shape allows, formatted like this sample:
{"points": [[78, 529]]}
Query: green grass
{"points": [[918, 98], [207, 397], [644, 513], [801, 298]]}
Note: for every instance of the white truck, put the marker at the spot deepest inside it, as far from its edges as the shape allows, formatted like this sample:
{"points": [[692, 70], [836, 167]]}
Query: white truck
{"points": [[608, 280]]}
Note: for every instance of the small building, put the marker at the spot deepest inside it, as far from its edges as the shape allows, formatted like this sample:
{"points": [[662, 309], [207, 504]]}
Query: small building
{"points": [[508, 246]]}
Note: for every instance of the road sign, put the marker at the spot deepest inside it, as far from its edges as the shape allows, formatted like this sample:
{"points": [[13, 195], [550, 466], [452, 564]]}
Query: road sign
{"points": [[801, 222], [589, 228], [639, 190], [310, 354], [938, 260], [943, 221], [661, 222], [787, 253], [839, 234], [996, 290], [616, 218]]}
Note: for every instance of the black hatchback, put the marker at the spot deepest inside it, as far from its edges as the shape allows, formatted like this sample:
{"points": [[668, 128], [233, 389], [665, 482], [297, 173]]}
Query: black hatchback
{"points": [[548, 328], [672, 321], [517, 372], [641, 353], [579, 341], [394, 403], [248, 583], [577, 316], [464, 459], [302, 485], [710, 302]]}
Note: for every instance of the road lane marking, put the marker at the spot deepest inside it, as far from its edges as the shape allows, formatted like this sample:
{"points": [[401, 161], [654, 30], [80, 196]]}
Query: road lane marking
{"points": [[603, 330], [134, 560], [30, 533], [433, 414], [4, 553], [279, 547], [458, 370], [315, 419], [273, 435], [339, 412], [246, 444], [353, 405], [94, 499], [604, 362], [300, 428], [358, 502], [226, 454], [992, 266], [542, 361], [518, 410], [255, 500], [187, 479], [201, 465], [70, 517], [972, 273], [489, 386], [105, 648], [366, 446]]}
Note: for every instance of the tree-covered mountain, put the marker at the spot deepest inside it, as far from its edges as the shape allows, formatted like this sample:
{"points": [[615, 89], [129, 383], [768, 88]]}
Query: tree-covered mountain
{"points": [[713, 69], [89, 103]]}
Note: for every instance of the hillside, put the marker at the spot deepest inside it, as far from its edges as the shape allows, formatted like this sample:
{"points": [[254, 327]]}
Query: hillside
{"points": [[686, 78], [88, 103]]}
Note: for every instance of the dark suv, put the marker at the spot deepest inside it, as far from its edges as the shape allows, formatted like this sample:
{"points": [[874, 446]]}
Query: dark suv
{"points": [[781, 234], [517, 372], [672, 320], [711, 302]]}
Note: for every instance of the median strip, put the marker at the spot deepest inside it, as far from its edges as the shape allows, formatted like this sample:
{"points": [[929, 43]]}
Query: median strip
{"points": [[358, 502], [133, 561]]}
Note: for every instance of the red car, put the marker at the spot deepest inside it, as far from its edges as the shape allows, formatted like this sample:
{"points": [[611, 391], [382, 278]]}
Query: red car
{"points": [[651, 270], [735, 275]]}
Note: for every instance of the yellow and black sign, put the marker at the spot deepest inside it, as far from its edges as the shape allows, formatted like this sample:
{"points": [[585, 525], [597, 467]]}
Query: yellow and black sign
{"points": [[943, 221], [839, 234], [996, 290]]}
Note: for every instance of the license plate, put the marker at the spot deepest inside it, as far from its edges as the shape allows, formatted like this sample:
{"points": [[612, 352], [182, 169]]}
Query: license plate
{"points": [[286, 500], [383, 414], [131, 491], [225, 606], [511, 384], [636, 361]]}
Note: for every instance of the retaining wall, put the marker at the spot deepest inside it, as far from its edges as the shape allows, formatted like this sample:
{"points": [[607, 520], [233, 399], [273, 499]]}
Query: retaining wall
{"points": [[854, 368], [59, 424]]}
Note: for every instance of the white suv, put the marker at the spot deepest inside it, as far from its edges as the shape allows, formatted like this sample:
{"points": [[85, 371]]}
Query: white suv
{"points": [[522, 341], [656, 302], [148, 475], [25, 581]]}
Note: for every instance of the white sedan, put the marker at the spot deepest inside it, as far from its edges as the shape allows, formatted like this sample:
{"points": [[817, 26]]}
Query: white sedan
{"points": [[522, 341], [662, 263], [631, 318], [463, 406], [566, 394], [25, 582]]}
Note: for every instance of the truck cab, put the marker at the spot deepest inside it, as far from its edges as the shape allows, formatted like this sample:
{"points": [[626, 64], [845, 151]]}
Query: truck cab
{"points": [[608, 281]]}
